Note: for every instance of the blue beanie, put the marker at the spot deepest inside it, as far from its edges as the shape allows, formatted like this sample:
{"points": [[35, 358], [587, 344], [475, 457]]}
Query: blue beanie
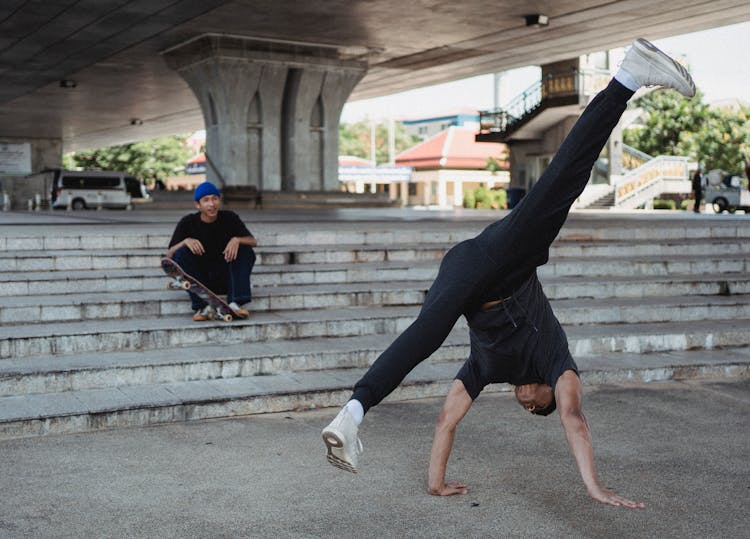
{"points": [[205, 189]]}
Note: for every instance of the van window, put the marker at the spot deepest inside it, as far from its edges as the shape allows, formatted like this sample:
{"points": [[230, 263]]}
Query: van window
{"points": [[90, 182]]}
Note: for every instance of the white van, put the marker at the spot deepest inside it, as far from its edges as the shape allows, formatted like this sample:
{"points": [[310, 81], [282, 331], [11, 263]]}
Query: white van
{"points": [[92, 188], [725, 192]]}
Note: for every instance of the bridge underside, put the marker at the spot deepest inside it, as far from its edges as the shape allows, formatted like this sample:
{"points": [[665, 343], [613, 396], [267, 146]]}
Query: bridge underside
{"points": [[79, 75], [111, 48]]}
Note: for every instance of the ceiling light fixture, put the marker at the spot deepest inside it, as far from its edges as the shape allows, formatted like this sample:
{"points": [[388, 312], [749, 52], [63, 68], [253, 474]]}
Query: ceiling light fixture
{"points": [[537, 20]]}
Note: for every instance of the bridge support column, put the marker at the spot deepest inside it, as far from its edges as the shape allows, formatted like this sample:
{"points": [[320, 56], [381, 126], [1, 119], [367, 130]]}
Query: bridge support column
{"points": [[26, 176], [271, 110]]}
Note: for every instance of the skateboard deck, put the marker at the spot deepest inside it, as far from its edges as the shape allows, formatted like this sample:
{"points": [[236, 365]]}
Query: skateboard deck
{"points": [[184, 281]]}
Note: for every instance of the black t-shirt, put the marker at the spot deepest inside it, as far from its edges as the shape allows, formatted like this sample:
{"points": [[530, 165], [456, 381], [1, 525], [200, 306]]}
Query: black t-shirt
{"points": [[214, 236], [519, 342]]}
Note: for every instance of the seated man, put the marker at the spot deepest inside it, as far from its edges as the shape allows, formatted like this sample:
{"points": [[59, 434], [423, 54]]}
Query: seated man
{"points": [[491, 280], [215, 247]]}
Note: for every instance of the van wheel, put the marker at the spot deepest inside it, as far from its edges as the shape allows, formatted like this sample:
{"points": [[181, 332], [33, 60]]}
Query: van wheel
{"points": [[78, 204], [720, 204]]}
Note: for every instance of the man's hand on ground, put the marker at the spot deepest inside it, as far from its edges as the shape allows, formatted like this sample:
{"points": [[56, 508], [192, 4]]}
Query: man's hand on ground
{"points": [[448, 489], [603, 495]]}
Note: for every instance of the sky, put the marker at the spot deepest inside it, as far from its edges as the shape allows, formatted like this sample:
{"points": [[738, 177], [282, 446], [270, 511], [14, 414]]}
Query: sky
{"points": [[716, 58]]}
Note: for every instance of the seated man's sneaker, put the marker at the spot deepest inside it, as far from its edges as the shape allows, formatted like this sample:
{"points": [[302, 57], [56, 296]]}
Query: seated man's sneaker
{"points": [[206, 313], [241, 311], [342, 442], [651, 67]]}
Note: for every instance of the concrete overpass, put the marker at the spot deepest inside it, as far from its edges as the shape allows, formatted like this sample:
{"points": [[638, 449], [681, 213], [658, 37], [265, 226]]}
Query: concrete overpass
{"points": [[268, 78]]}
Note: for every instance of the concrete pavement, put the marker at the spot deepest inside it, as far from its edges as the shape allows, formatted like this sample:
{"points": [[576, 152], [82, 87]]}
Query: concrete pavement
{"points": [[682, 448]]}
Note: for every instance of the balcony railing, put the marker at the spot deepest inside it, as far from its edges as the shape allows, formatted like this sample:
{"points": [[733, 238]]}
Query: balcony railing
{"points": [[573, 83]]}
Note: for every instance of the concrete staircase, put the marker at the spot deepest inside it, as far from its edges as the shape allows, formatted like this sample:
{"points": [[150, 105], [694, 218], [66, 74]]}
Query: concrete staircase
{"points": [[90, 337]]}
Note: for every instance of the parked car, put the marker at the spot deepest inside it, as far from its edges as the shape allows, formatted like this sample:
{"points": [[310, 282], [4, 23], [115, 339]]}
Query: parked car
{"points": [[725, 192], [94, 188]]}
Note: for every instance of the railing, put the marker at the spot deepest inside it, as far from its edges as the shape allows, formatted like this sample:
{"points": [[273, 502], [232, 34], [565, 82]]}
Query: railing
{"points": [[579, 82], [632, 158], [643, 183]]}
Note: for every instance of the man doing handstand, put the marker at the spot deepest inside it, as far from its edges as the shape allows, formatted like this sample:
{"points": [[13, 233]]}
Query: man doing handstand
{"points": [[491, 280]]}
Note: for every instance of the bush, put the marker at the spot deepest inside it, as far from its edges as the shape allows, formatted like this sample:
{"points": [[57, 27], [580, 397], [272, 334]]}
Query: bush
{"points": [[685, 204], [470, 200], [501, 198], [660, 204], [482, 197]]}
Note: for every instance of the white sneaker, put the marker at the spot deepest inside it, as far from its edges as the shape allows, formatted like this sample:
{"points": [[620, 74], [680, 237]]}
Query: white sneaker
{"points": [[651, 67], [206, 313], [241, 311], [342, 442]]}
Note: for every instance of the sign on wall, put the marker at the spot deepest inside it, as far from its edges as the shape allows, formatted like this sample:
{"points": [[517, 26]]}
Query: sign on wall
{"points": [[15, 159]]}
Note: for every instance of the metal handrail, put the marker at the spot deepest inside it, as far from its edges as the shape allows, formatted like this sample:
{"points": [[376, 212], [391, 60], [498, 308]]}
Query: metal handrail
{"points": [[576, 82]]}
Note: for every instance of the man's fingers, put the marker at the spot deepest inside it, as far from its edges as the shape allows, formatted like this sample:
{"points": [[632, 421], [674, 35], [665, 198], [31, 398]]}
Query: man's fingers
{"points": [[230, 254], [455, 488], [195, 247], [449, 489], [619, 501]]}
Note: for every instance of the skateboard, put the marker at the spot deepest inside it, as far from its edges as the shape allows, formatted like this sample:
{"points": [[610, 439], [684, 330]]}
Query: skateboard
{"points": [[183, 281]]}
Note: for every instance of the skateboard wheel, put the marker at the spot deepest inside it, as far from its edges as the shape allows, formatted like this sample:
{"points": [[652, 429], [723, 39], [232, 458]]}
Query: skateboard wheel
{"points": [[227, 317], [185, 285]]}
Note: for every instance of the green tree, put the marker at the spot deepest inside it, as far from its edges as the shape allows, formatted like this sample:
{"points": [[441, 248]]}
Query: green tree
{"points": [[149, 160], [724, 141], [670, 119], [718, 138], [354, 139]]}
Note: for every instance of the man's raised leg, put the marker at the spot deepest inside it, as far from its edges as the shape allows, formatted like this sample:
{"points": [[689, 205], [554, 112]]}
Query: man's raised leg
{"points": [[523, 238]]}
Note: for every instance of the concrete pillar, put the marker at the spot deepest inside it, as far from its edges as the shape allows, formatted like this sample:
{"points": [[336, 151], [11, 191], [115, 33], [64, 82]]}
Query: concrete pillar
{"points": [[442, 194], [33, 179], [271, 110], [614, 150], [458, 193]]}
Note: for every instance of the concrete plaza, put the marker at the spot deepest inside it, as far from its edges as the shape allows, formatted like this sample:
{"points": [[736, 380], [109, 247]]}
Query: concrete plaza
{"points": [[682, 448]]}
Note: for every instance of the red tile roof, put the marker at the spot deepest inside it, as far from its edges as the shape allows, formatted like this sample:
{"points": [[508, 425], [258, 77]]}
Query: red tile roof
{"points": [[453, 148]]}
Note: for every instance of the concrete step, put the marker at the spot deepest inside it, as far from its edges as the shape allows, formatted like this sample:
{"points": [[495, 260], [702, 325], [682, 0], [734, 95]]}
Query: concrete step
{"points": [[42, 308], [59, 260], [54, 373], [146, 279], [50, 374], [141, 304], [29, 340], [94, 409], [328, 230]]}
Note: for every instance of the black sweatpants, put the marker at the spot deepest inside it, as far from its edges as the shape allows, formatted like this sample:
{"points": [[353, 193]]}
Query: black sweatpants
{"points": [[497, 261]]}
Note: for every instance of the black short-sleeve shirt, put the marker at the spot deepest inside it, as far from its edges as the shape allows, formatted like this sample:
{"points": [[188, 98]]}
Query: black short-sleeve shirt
{"points": [[214, 236], [518, 342]]}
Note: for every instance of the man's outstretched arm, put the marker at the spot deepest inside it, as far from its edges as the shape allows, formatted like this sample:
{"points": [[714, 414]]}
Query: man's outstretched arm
{"points": [[457, 403], [568, 395]]}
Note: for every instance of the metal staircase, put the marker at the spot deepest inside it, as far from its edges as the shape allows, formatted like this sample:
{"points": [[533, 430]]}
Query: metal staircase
{"points": [[571, 88]]}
